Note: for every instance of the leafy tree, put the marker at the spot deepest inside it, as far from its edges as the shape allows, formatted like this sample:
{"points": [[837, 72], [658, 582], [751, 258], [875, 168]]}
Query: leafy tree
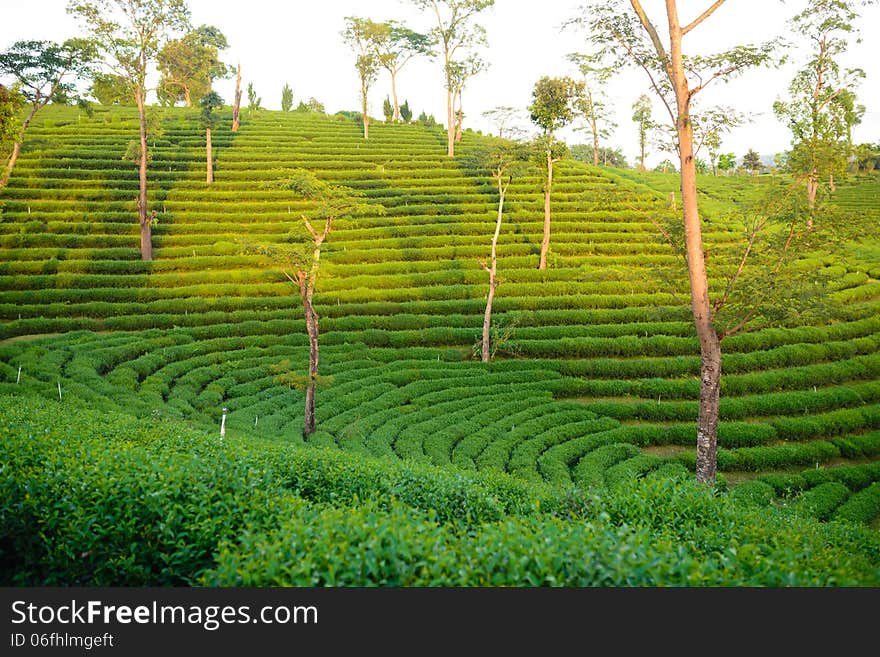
{"points": [[286, 98], [10, 103], [311, 105], [752, 161], [625, 35], [867, 157], [593, 104], [357, 34], [189, 65], [210, 102], [642, 118], [405, 112], [505, 118], [43, 71], [109, 89], [426, 120], [130, 34], [503, 159], [255, 102], [554, 106], [394, 45], [666, 166], [388, 110], [458, 74], [455, 33], [299, 257], [816, 110], [727, 161]]}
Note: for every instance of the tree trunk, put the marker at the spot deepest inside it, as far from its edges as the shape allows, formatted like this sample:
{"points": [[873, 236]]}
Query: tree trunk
{"points": [[493, 282], [16, 148], [450, 127], [396, 117], [812, 189], [710, 345], [146, 225], [459, 119], [186, 97], [209, 156], [548, 184], [312, 329], [595, 140], [364, 110], [236, 106]]}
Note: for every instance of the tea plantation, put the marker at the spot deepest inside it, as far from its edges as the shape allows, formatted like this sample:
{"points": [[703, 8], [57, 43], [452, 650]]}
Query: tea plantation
{"points": [[564, 461]]}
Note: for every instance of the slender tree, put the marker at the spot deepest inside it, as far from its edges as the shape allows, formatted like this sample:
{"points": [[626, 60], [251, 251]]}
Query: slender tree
{"points": [[813, 112], [300, 260], [504, 118], [387, 110], [130, 34], [394, 45], [593, 104], [455, 32], [255, 102], [210, 102], [554, 106], [43, 71], [642, 118], [459, 74], [624, 34], [502, 159], [358, 35], [286, 98], [236, 101]]}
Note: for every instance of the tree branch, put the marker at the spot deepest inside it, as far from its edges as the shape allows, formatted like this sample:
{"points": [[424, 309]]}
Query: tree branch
{"points": [[702, 17]]}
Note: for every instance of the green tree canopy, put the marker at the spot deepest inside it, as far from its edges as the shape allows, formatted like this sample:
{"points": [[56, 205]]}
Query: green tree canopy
{"points": [[189, 65]]}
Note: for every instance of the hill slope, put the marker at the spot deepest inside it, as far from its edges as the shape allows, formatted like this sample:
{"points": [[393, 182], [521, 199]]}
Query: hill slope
{"points": [[595, 380]]}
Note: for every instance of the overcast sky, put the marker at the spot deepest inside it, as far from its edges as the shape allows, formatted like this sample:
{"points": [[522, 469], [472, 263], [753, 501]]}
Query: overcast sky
{"points": [[298, 42]]}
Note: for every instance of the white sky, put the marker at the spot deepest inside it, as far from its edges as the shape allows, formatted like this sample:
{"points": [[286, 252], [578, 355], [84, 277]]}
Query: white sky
{"points": [[298, 42]]}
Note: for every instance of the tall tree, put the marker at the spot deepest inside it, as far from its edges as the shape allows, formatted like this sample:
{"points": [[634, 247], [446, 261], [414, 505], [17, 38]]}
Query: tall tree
{"points": [[358, 35], [502, 159], [130, 34], [236, 100], [504, 118], [43, 71], [460, 72], [625, 34], [394, 45], [300, 260], [286, 98], [554, 106], [811, 112], [210, 102], [189, 66], [109, 89], [593, 105], [454, 33], [642, 118]]}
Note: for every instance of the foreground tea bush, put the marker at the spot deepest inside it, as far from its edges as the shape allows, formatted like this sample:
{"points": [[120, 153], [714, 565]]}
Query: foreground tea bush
{"points": [[106, 499]]}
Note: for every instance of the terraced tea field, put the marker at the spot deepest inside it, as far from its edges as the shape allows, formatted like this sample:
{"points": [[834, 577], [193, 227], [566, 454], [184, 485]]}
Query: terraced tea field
{"points": [[594, 383]]}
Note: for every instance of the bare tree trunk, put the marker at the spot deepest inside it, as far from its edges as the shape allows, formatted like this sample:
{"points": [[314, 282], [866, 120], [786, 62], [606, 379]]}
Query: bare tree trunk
{"points": [[492, 269], [710, 345], [364, 109], [450, 127], [595, 140], [186, 97], [236, 106], [16, 148], [831, 185], [396, 116], [209, 156], [812, 189], [146, 224], [548, 184], [312, 329], [459, 119]]}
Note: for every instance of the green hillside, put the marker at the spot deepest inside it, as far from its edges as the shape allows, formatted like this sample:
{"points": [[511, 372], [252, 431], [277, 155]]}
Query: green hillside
{"points": [[595, 382]]}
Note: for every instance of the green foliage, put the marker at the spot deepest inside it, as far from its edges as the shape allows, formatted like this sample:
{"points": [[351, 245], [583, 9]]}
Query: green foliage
{"points": [[189, 65], [254, 101], [555, 103], [110, 89], [387, 109], [208, 103], [406, 114]]}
